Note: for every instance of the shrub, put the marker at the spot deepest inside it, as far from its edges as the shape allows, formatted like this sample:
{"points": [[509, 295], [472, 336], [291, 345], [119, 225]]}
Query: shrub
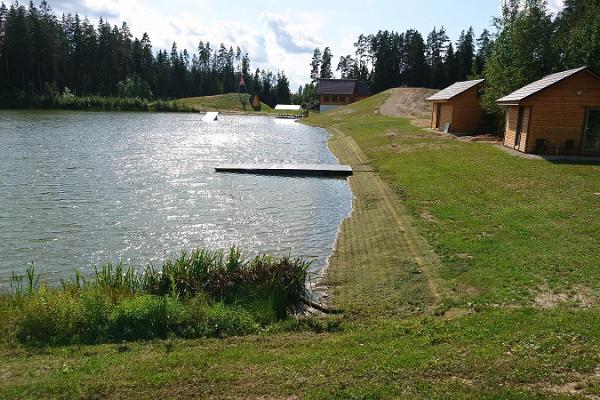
{"points": [[226, 321], [52, 318], [145, 317]]}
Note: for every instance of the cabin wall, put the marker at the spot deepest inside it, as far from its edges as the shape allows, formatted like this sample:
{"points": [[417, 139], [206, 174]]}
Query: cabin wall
{"points": [[510, 133], [558, 112], [336, 100], [445, 116], [467, 112], [510, 130], [434, 107]]}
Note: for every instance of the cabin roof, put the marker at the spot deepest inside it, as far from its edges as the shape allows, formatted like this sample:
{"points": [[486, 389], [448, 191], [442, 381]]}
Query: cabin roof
{"points": [[454, 90], [342, 86], [287, 107], [537, 86]]}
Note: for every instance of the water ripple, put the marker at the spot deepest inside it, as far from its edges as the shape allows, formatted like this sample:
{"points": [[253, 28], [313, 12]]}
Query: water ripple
{"points": [[79, 189]]}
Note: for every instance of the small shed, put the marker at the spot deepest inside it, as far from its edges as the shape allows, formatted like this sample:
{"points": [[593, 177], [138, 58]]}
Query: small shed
{"points": [[559, 114], [457, 108], [333, 93]]}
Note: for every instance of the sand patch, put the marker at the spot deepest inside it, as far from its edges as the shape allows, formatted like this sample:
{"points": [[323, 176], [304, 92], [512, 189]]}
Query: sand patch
{"points": [[580, 297], [408, 103]]}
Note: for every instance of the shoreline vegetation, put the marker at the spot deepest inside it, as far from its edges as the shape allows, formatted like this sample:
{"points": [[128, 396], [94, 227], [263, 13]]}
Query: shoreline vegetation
{"points": [[226, 103], [199, 294]]}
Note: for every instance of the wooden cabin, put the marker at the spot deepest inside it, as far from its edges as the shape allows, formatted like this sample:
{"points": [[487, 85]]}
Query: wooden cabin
{"points": [[333, 93], [559, 114], [457, 108]]}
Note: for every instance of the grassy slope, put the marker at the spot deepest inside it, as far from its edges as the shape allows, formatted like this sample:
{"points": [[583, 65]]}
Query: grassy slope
{"points": [[226, 102], [504, 229]]}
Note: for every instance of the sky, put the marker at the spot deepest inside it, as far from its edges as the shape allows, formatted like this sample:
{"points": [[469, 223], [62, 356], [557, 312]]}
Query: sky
{"points": [[281, 35]]}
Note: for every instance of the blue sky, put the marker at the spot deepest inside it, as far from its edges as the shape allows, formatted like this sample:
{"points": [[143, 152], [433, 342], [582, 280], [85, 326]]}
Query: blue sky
{"points": [[281, 35]]}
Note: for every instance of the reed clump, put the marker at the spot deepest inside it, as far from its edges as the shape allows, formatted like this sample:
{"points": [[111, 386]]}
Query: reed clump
{"points": [[199, 294]]}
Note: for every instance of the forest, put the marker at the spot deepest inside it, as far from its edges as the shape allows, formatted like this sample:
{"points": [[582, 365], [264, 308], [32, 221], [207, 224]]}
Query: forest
{"points": [[529, 42], [44, 55]]}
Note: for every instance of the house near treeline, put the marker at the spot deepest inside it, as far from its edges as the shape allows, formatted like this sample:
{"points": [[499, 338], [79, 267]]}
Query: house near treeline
{"points": [[559, 114], [334, 93], [457, 109]]}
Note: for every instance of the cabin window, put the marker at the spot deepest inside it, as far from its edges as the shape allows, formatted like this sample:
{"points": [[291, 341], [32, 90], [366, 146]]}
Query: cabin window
{"points": [[334, 99], [326, 99]]}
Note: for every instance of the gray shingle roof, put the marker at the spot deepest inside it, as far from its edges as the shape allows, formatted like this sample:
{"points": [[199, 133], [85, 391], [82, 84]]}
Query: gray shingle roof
{"points": [[342, 86], [454, 90], [538, 86]]}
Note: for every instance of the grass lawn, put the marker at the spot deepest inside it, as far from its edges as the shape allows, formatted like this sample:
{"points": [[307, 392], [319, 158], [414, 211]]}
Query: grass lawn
{"points": [[226, 102], [464, 272]]}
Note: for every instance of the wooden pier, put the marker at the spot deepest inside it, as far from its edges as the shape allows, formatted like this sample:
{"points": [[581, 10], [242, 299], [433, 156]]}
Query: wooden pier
{"points": [[338, 171]]}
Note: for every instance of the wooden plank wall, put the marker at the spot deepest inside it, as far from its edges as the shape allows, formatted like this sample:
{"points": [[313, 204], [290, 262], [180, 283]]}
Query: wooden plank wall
{"points": [[558, 112], [446, 116], [510, 131], [467, 113]]}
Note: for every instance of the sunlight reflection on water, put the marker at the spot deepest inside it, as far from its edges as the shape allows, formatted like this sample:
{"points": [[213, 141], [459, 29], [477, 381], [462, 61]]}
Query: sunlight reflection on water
{"points": [[79, 189]]}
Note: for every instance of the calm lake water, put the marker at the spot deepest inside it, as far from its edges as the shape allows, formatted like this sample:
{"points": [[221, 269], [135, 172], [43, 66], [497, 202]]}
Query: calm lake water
{"points": [[81, 189]]}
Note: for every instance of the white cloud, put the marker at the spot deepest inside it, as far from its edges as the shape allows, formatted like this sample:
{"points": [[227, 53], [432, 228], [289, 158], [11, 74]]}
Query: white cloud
{"points": [[274, 43], [293, 38]]}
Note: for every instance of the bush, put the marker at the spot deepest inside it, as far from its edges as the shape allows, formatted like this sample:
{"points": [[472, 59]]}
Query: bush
{"points": [[50, 319], [145, 317], [226, 321]]}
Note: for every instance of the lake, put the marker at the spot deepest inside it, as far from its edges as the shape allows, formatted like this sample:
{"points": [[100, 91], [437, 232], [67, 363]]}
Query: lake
{"points": [[81, 189]]}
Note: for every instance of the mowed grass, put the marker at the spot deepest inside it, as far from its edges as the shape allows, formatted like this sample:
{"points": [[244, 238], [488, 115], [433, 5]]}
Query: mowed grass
{"points": [[506, 229], [233, 102], [438, 270]]}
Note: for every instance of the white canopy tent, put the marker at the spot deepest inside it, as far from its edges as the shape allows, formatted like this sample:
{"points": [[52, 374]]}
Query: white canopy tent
{"points": [[287, 107]]}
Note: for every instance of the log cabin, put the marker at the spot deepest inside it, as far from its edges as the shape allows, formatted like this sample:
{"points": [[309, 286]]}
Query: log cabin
{"points": [[334, 93], [457, 109], [559, 114]]}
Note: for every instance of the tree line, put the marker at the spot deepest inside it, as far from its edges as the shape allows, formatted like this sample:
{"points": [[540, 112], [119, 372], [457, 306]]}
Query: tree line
{"points": [[529, 43], [44, 55]]}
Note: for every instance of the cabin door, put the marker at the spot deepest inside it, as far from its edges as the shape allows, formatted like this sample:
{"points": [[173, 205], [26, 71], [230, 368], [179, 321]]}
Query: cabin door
{"points": [[591, 135], [438, 115]]}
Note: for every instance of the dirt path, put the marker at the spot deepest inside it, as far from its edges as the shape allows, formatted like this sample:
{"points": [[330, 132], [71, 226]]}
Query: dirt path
{"points": [[409, 102], [380, 263]]}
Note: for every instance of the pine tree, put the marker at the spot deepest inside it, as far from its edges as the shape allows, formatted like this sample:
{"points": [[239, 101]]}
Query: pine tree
{"points": [[315, 64], [326, 64], [437, 45], [465, 53], [484, 49]]}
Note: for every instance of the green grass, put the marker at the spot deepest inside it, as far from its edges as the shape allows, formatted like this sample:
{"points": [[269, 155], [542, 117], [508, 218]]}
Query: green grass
{"points": [[438, 271], [232, 102], [504, 227]]}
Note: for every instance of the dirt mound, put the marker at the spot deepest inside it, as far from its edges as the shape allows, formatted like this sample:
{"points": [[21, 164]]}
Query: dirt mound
{"points": [[408, 103]]}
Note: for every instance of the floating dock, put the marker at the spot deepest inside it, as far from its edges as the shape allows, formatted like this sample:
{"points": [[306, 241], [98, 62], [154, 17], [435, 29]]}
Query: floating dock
{"points": [[288, 169]]}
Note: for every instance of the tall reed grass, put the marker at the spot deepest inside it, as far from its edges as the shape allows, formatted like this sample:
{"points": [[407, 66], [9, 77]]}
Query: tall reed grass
{"points": [[202, 293]]}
